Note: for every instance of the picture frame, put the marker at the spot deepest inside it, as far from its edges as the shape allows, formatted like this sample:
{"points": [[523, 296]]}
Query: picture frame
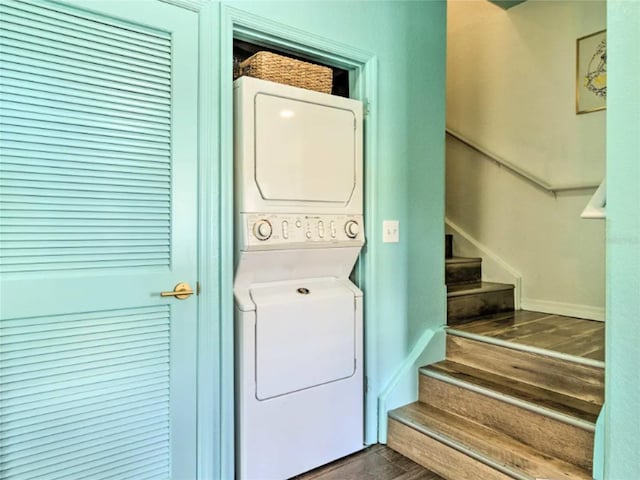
{"points": [[591, 72]]}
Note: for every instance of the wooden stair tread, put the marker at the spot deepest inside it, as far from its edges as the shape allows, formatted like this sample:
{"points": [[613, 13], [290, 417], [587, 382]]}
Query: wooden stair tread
{"points": [[455, 260], [568, 335], [501, 320], [538, 396], [547, 431], [484, 287], [496, 447], [559, 374]]}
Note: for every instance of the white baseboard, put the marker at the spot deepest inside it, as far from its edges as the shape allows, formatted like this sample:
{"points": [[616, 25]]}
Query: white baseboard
{"points": [[560, 308], [494, 268], [403, 387]]}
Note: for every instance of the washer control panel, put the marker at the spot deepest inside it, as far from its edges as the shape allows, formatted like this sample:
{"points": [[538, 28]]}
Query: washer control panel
{"points": [[266, 231]]}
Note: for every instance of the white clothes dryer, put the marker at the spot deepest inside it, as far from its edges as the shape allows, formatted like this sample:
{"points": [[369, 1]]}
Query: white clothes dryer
{"points": [[299, 323]]}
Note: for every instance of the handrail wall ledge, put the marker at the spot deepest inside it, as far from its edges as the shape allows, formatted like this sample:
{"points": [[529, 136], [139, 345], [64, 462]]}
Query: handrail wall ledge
{"points": [[538, 182]]}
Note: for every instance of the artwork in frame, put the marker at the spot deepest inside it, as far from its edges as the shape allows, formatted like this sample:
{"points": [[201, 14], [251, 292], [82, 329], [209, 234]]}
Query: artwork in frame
{"points": [[591, 72]]}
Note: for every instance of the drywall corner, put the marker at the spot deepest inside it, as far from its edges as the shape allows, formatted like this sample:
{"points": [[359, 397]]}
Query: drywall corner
{"points": [[598, 447]]}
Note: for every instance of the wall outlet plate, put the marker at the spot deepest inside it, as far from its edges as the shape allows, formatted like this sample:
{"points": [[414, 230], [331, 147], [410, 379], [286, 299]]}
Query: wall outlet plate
{"points": [[390, 231]]}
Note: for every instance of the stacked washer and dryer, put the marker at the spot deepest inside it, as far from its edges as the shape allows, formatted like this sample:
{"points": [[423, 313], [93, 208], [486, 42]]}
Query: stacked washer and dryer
{"points": [[298, 320]]}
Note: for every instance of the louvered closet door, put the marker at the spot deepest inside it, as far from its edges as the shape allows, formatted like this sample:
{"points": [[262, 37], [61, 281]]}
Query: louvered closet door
{"points": [[98, 216]]}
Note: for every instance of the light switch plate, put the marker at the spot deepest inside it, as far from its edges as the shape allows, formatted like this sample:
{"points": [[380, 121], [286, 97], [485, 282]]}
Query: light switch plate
{"points": [[390, 231]]}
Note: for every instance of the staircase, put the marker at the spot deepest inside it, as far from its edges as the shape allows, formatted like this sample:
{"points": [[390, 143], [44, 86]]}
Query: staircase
{"points": [[497, 410], [468, 297]]}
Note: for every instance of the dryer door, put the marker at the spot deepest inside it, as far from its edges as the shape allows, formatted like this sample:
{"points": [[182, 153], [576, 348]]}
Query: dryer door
{"points": [[304, 151], [305, 336]]}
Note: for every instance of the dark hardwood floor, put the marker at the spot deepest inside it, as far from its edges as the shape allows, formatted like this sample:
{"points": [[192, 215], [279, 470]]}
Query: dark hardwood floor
{"points": [[573, 336], [377, 462]]}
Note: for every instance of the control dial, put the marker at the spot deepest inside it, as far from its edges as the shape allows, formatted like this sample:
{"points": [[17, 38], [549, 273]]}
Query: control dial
{"points": [[351, 228], [262, 229]]}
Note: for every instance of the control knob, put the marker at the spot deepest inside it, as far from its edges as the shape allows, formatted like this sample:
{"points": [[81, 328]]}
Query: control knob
{"points": [[351, 228], [262, 229]]}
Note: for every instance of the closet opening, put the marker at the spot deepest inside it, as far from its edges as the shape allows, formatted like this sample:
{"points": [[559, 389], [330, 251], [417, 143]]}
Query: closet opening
{"points": [[243, 50]]}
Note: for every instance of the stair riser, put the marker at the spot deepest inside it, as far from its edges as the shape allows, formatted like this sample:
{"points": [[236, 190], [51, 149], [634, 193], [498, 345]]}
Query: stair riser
{"points": [[463, 307], [550, 436], [562, 376], [448, 246], [494, 449], [463, 273], [447, 462]]}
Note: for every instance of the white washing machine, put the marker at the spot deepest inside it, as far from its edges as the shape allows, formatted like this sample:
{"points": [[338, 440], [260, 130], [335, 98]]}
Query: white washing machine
{"points": [[299, 230]]}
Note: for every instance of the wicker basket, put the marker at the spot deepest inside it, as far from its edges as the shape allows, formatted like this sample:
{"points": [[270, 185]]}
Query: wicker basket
{"points": [[276, 68]]}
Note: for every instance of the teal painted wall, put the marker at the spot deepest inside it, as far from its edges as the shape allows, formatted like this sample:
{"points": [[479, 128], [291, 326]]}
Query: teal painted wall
{"points": [[408, 40], [622, 418]]}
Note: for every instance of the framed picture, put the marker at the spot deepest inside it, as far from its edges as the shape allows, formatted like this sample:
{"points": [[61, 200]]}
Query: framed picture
{"points": [[591, 72]]}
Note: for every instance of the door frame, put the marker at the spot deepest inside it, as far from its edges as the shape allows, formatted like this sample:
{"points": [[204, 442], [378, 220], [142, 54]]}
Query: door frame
{"points": [[209, 440], [237, 23]]}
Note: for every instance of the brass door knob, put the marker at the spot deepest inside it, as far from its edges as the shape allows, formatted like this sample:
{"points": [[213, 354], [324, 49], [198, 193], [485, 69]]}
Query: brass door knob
{"points": [[180, 291]]}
